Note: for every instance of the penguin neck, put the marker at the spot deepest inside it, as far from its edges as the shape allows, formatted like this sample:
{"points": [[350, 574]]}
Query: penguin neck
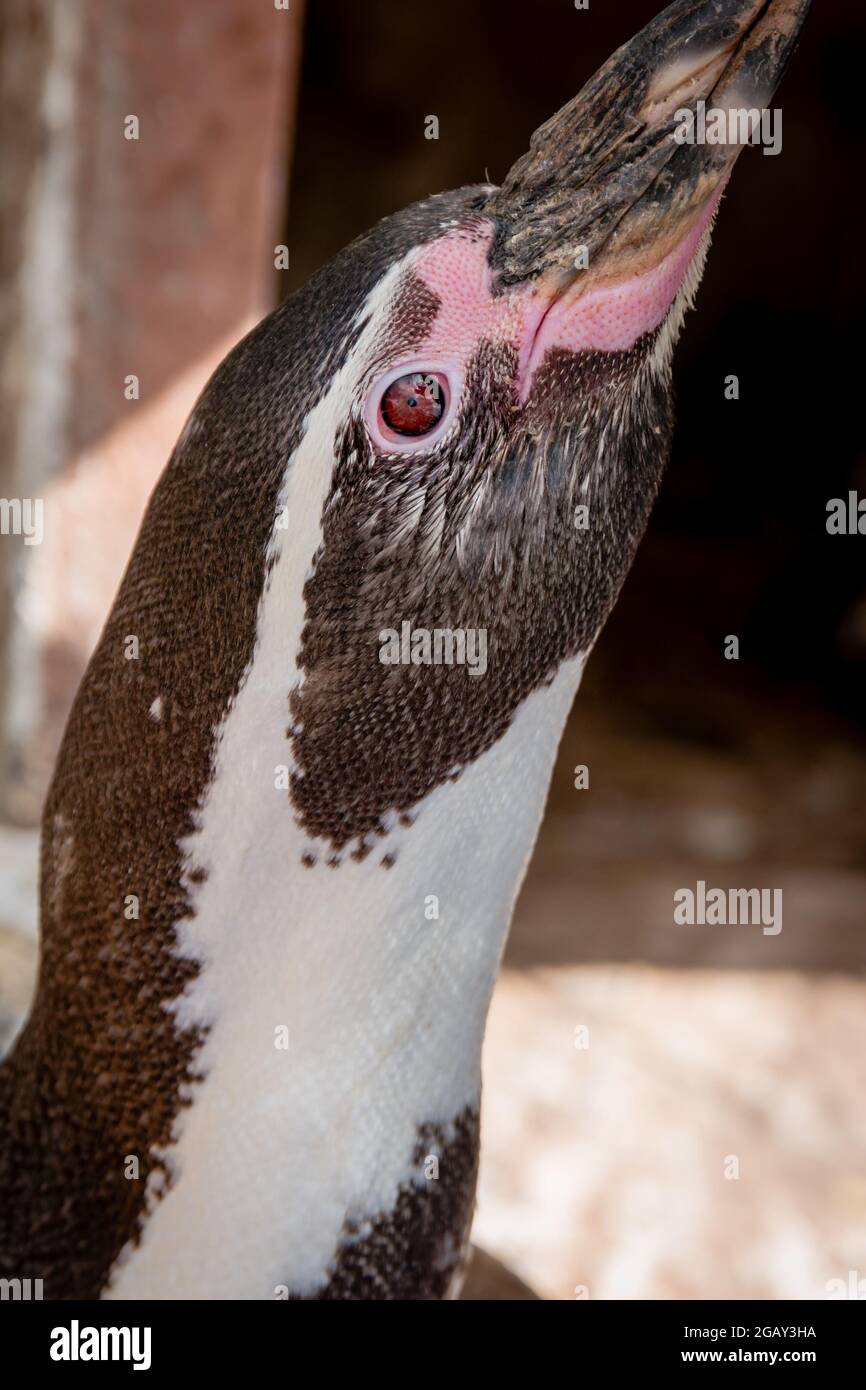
{"points": [[341, 1013], [343, 1010]]}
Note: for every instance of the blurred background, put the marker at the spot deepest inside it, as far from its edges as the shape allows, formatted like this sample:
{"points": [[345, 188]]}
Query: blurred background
{"points": [[629, 1060]]}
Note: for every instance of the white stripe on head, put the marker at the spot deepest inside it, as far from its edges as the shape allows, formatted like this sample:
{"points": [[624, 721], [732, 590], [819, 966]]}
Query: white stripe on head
{"points": [[385, 1007]]}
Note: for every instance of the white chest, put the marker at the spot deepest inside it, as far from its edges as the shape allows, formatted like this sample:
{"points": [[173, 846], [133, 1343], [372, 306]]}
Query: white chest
{"points": [[345, 1008]]}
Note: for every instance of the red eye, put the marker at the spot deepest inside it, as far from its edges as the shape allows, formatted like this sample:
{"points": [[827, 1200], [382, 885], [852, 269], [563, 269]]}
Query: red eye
{"points": [[414, 404]]}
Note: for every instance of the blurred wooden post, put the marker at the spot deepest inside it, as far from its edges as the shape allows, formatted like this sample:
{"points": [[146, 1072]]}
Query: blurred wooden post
{"points": [[144, 155]]}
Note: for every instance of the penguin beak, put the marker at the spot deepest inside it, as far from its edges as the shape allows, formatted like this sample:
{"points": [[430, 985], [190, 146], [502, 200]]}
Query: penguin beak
{"points": [[627, 170]]}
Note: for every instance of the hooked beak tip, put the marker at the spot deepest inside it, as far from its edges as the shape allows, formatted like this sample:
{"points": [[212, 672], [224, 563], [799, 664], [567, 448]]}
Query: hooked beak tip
{"points": [[610, 180]]}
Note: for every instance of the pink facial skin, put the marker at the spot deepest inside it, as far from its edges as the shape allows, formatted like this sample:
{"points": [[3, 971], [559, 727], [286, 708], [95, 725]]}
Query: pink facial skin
{"points": [[609, 318], [614, 316]]}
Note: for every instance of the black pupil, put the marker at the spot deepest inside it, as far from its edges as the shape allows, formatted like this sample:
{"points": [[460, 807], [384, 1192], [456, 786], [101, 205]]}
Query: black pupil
{"points": [[413, 404]]}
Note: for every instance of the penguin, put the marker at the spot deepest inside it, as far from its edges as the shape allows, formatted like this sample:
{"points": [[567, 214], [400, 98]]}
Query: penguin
{"points": [[293, 806]]}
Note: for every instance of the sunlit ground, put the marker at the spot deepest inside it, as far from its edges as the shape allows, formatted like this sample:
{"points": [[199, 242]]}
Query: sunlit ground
{"points": [[710, 1140]]}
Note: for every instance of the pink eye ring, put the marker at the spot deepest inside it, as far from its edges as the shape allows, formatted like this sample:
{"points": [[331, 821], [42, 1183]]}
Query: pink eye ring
{"points": [[410, 407]]}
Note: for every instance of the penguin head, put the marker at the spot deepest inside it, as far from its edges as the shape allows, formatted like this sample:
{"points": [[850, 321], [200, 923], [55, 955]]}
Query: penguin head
{"points": [[460, 424], [505, 416]]}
